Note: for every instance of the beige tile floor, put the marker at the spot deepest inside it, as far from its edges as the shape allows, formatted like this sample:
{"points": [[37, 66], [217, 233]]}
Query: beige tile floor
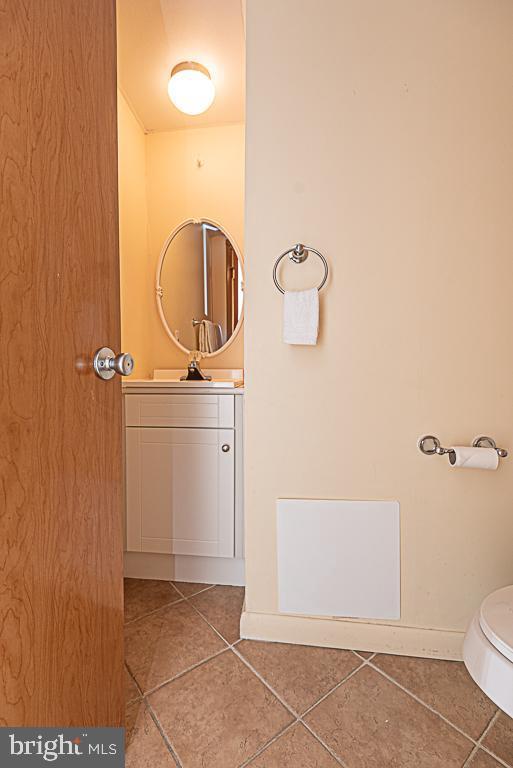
{"points": [[199, 697]]}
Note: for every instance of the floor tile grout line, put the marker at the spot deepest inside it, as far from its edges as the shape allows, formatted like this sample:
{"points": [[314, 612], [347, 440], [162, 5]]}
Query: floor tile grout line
{"points": [[193, 666], [282, 701], [230, 645], [185, 671], [199, 592], [498, 759], [372, 656], [138, 687], [163, 735], [420, 701], [468, 762], [268, 743], [324, 744], [298, 717], [335, 687], [277, 736], [470, 758], [175, 589], [179, 599], [149, 705], [476, 742], [481, 748], [155, 610], [490, 725], [485, 733]]}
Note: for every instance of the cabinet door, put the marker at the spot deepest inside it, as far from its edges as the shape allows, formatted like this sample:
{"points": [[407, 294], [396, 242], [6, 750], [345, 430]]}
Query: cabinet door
{"points": [[180, 491]]}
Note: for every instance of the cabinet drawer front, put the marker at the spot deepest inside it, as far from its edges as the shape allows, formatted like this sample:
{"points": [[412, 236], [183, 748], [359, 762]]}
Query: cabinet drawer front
{"points": [[180, 491], [180, 411]]}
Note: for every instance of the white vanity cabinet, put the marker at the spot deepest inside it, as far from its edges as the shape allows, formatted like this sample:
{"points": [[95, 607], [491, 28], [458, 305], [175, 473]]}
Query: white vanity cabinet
{"points": [[180, 491], [184, 474]]}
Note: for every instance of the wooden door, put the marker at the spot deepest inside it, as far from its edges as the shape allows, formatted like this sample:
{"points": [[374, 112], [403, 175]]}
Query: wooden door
{"points": [[60, 426], [181, 491]]}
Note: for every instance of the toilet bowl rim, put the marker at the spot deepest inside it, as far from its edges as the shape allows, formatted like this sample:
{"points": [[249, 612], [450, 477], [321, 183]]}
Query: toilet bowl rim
{"points": [[496, 620]]}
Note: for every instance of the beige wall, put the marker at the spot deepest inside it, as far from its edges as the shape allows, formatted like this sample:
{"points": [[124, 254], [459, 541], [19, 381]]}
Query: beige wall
{"points": [[136, 270], [180, 189], [161, 184], [386, 143]]}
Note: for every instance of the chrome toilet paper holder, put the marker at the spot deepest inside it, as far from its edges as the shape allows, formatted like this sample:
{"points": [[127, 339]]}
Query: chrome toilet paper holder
{"points": [[429, 445]]}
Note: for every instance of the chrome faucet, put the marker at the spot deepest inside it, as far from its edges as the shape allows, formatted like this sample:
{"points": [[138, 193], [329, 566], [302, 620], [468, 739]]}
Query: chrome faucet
{"points": [[194, 372]]}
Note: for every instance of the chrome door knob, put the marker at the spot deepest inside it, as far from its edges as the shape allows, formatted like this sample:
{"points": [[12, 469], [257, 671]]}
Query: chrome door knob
{"points": [[122, 364], [106, 364]]}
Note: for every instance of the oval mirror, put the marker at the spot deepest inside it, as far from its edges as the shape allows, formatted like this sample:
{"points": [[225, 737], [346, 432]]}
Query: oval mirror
{"points": [[200, 287]]}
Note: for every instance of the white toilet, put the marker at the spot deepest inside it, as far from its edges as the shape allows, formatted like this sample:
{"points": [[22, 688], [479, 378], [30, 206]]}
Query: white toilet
{"points": [[488, 648]]}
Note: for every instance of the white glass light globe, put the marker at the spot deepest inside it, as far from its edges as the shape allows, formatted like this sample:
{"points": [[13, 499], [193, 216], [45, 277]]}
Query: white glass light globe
{"points": [[190, 88]]}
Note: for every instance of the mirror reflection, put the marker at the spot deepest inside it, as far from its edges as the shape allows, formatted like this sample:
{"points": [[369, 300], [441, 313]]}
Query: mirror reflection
{"points": [[200, 287]]}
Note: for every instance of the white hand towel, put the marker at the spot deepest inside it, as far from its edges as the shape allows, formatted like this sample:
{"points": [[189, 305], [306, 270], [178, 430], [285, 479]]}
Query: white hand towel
{"points": [[209, 336], [301, 316], [474, 458]]}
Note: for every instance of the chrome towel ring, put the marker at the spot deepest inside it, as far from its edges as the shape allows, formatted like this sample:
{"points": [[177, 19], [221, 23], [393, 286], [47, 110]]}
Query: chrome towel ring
{"points": [[298, 254]]}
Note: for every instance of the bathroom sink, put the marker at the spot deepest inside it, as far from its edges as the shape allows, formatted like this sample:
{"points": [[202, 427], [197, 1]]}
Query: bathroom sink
{"points": [[222, 378]]}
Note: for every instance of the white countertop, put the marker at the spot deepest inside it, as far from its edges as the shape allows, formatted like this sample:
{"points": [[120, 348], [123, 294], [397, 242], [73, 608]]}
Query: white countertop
{"points": [[163, 386]]}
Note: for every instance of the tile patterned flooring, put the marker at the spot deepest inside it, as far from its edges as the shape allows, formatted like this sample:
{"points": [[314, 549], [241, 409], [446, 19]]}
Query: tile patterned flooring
{"points": [[199, 697]]}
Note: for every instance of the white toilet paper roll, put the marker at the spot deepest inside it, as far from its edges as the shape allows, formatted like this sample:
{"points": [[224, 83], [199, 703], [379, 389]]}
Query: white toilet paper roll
{"points": [[473, 458]]}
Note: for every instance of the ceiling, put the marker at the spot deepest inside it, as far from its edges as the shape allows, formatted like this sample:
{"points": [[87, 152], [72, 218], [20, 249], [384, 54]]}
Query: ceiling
{"points": [[154, 35]]}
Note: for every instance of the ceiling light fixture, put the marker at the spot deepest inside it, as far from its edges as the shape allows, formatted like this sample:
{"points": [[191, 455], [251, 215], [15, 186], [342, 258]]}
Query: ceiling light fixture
{"points": [[190, 88]]}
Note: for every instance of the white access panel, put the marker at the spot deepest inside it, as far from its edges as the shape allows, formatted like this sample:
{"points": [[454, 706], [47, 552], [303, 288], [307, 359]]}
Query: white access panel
{"points": [[339, 558]]}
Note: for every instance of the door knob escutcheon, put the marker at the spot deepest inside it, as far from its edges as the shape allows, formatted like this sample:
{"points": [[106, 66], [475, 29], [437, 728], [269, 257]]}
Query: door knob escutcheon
{"points": [[106, 364]]}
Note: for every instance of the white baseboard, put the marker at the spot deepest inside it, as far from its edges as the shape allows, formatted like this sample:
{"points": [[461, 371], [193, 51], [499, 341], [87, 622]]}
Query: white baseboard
{"points": [[337, 633], [209, 570]]}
